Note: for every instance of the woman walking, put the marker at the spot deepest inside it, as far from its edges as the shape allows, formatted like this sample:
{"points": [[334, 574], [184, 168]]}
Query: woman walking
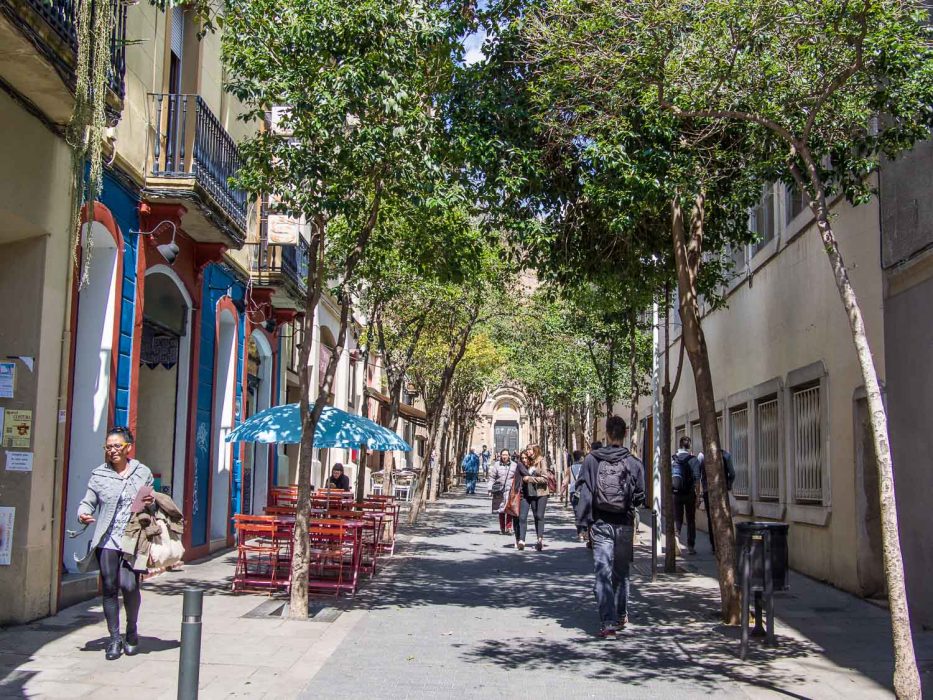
{"points": [[111, 491], [536, 487], [500, 485]]}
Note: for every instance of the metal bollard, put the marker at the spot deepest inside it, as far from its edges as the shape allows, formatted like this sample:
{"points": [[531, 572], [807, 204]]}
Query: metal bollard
{"points": [[189, 660]]}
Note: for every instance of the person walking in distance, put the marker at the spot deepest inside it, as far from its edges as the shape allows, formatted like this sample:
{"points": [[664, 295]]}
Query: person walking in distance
{"points": [[500, 485], [533, 475], [685, 475], [611, 486], [729, 470], [573, 473], [471, 470], [111, 492], [484, 457]]}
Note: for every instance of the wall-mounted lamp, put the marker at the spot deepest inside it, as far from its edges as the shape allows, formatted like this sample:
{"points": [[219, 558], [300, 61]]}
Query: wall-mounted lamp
{"points": [[169, 251]]}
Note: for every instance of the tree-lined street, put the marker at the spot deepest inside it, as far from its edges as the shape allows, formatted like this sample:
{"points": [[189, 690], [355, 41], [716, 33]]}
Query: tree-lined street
{"points": [[461, 613]]}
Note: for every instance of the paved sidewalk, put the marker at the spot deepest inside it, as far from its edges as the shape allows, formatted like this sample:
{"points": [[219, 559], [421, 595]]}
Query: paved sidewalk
{"points": [[470, 617], [459, 612]]}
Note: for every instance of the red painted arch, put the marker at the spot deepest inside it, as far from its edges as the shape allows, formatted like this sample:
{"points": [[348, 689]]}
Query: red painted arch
{"points": [[103, 216]]}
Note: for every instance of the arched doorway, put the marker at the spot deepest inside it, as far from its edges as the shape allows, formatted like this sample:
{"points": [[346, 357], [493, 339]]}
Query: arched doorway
{"points": [[255, 478], [506, 424], [93, 366], [164, 371], [223, 418]]}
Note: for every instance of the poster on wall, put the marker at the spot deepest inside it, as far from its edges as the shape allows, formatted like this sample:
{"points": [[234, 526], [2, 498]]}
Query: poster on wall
{"points": [[17, 428], [7, 515], [7, 379], [19, 461]]}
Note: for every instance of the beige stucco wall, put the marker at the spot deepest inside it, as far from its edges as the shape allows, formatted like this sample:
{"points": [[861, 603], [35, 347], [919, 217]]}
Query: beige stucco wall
{"points": [[785, 316], [145, 55], [34, 261]]}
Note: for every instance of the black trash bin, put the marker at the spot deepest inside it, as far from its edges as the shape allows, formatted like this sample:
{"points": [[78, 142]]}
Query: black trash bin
{"points": [[753, 534]]}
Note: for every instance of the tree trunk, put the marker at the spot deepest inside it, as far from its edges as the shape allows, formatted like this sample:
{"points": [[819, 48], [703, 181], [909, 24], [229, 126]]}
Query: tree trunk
{"points": [[906, 674], [688, 256], [298, 605], [438, 404]]}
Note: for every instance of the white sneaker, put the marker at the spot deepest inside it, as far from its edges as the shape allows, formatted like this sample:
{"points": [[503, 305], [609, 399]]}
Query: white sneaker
{"points": [[519, 545]]}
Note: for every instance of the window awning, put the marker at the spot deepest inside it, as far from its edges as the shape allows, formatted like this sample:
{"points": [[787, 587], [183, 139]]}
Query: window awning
{"points": [[408, 412]]}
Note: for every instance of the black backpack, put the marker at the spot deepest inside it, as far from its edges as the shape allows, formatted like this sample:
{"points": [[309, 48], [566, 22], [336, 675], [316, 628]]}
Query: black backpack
{"points": [[682, 475], [615, 487]]}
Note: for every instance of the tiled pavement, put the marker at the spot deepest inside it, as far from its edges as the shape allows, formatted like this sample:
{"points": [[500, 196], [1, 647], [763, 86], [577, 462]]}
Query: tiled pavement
{"points": [[461, 613]]}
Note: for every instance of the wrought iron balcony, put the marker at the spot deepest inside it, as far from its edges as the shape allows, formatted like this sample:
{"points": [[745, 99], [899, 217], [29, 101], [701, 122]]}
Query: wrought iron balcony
{"points": [[50, 26], [282, 264], [192, 151]]}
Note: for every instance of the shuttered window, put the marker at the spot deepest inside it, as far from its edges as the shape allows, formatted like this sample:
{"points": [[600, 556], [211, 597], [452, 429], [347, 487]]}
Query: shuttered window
{"points": [[178, 31], [738, 429], [808, 446], [768, 452]]}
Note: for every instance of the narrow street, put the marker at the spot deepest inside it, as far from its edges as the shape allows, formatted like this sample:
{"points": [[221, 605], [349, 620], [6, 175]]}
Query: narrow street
{"points": [[468, 616], [460, 613]]}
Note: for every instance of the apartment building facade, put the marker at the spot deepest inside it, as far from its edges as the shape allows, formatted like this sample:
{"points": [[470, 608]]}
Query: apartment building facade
{"points": [[188, 322], [791, 404]]}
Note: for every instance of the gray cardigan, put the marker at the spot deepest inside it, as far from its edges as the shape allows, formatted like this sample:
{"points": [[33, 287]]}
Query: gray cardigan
{"points": [[103, 494]]}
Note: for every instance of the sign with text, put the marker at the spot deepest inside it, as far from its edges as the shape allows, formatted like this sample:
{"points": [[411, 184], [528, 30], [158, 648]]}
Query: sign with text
{"points": [[17, 428], [7, 516]]}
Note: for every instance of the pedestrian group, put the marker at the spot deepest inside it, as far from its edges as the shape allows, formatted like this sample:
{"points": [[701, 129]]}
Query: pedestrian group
{"points": [[605, 488]]}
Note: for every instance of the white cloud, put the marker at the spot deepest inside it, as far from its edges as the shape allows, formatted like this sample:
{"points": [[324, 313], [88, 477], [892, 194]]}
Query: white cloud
{"points": [[473, 45]]}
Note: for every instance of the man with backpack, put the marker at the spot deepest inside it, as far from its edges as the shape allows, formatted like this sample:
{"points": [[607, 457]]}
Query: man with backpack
{"points": [[729, 470], [685, 475], [611, 486]]}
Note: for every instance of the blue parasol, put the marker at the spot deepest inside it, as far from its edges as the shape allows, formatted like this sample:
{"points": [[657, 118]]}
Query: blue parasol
{"points": [[336, 428]]}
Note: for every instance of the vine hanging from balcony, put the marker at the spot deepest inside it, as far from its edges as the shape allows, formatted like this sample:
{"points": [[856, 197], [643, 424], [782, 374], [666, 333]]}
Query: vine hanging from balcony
{"points": [[86, 130]]}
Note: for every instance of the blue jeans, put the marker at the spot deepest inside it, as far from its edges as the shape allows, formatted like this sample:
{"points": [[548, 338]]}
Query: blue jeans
{"points": [[613, 551], [471, 482]]}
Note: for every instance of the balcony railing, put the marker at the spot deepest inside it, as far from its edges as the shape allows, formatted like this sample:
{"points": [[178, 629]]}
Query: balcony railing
{"points": [[191, 143], [60, 45], [288, 263]]}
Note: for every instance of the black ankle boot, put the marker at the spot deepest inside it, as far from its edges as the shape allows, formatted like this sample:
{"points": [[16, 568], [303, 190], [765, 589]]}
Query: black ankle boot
{"points": [[131, 643], [114, 648]]}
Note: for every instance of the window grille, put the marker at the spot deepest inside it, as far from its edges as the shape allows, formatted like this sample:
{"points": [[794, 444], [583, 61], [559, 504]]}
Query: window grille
{"points": [[738, 427], [762, 218], [679, 432], [808, 446], [768, 438], [696, 438], [794, 203]]}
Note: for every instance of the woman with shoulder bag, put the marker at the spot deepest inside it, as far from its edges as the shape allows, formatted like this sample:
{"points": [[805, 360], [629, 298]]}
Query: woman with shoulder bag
{"points": [[111, 491], [500, 485], [533, 477]]}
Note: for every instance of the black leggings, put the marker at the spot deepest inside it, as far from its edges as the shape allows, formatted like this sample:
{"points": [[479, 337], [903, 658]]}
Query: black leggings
{"points": [[535, 504], [116, 576]]}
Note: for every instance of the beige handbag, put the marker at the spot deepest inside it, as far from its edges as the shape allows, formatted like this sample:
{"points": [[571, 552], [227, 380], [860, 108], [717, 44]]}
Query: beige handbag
{"points": [[168, 550]]}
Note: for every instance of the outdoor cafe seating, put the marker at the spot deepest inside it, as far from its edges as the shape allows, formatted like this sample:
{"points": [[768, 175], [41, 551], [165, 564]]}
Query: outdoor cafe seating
{"points": [[345, 540]]}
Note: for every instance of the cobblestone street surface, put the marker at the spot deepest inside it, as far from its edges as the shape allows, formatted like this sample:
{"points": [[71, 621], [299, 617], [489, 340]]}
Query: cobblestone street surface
{"points": [[459, 613]]}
